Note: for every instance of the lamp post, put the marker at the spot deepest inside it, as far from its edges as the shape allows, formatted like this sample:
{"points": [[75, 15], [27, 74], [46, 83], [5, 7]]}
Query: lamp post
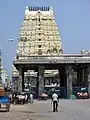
{"points": [[12, 82]]}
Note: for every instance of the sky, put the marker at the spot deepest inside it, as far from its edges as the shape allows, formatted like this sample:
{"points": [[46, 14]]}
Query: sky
{"points": [[72, 18]]}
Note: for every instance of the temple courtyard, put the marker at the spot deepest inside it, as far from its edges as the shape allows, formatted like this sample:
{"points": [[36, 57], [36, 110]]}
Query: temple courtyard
{"points": [[42, 110]]}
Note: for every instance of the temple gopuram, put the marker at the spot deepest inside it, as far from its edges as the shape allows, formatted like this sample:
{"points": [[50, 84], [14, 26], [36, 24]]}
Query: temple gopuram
{"points": [[40, 59]]}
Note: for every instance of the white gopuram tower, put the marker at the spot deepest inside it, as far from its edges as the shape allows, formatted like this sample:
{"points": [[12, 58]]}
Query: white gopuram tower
{"points": [[39, 35]]}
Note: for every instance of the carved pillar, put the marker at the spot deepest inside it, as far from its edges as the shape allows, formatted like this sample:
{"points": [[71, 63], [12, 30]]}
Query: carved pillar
{"points": [[40, 86], [83, 76], [44, 82], [69, 81], [21, 80], [80, 76], [63, 82], [62, 77], [89, 80], [37, 85], [86, 76], [50, 80]]}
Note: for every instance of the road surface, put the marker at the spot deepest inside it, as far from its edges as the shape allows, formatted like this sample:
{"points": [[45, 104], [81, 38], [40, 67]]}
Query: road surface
{"points": [[42, 110]]}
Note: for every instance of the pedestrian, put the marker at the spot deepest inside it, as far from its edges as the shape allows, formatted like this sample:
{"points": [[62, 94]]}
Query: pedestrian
{"points": [[31, 98], [26, 98], [55, 101]]}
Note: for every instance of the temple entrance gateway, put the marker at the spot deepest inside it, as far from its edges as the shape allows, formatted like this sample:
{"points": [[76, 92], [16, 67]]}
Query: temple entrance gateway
{"points": [[40, 49], [69, 84]]}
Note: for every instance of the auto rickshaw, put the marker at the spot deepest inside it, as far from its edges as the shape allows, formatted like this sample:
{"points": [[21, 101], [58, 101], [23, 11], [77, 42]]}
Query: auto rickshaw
{"points": [[4, 100]]}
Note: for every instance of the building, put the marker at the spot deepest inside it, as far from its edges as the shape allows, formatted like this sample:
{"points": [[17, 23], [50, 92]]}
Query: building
{"points": [[15, 77], [5, 78], [39, 33], [39, 36], [40, 50]]}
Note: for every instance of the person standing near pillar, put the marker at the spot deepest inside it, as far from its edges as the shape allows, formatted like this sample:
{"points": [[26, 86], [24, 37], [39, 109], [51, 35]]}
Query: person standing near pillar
{"points": [[55, 100]]}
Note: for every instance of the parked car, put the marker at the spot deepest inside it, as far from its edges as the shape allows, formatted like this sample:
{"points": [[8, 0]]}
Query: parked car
{"points": [[83, 94]]}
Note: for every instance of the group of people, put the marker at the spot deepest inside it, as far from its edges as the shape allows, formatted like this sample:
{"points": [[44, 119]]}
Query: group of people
{"points": [[22, 99]]}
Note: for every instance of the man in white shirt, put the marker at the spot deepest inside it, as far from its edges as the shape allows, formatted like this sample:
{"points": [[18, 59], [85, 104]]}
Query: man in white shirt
{"points": [[55, 101], [31, 98]]}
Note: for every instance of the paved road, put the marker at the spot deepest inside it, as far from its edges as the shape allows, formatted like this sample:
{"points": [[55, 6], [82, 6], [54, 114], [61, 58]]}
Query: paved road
{"points": [[42, 110]]}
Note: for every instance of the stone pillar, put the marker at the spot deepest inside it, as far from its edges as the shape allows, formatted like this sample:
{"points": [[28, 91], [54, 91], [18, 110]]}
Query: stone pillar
{"points": [[86, 76], [49, 80], [69, 81], [80, 76], [41, 70], [83, 77], [21, 80], [62, 77], [37, 86], [44, 82], [89, 80]]}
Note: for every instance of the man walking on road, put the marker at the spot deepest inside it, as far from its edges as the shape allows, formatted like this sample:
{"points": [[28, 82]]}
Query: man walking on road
{"points": [[55, 101], [31, 98]]}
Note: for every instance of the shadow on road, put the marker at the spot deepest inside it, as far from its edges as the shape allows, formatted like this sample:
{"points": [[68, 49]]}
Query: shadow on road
{"points": [[50, 111], [27, 112], [41, 116], [1, 111], [31, 112]]}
